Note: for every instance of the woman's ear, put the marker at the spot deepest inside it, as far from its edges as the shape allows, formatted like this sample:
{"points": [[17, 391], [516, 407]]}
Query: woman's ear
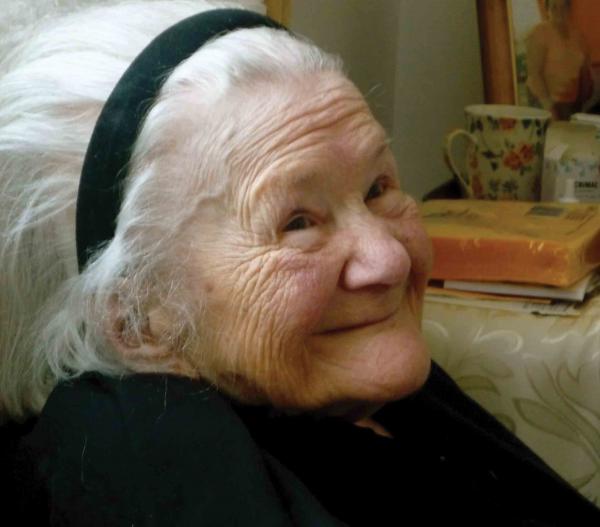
{"points": [[146, 345]]}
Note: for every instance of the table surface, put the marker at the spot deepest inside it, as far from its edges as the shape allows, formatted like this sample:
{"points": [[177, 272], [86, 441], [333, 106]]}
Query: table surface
{"points": [[539, 375]]}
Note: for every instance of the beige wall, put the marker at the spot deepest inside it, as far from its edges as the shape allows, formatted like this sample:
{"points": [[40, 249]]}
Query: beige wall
{"points": [[363, 33], [417, 59]]}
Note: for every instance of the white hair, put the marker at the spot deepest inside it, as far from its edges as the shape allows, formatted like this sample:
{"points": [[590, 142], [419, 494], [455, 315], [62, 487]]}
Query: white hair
{"points": [[52, 88]]}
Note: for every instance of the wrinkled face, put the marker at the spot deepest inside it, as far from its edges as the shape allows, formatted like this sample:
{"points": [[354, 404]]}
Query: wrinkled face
{"points": [[312, 270]]}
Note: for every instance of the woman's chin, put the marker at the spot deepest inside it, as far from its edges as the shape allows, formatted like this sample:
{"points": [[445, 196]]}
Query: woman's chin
{"points": [[399, 366], [370, 365]]}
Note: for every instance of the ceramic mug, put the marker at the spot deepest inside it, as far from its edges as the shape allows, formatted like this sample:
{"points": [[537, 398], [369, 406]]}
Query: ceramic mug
{"points": [[504, 154]]}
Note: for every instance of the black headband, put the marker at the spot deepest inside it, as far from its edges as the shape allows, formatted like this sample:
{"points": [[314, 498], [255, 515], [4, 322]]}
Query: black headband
{"points": [[115, 133]]}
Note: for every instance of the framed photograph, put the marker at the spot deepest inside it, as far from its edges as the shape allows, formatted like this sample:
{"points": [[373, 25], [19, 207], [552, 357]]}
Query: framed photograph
{"points": [[543, 53]]}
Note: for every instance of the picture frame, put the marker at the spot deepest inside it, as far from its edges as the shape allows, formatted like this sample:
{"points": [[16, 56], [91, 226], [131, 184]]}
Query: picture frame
{"points": [[496, 51], [516, 39]]}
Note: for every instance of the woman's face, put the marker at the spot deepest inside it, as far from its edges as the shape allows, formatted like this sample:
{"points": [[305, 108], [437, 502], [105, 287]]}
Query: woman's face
{"points": [[312, 269]]}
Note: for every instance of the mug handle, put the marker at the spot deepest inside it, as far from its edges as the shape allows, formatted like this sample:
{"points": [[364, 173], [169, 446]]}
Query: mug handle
{"points": [[450, 162]]}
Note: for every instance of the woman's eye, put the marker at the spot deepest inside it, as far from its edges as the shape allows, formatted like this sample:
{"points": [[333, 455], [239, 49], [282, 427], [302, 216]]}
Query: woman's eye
{"points": [[298, 223], [376, 190]]}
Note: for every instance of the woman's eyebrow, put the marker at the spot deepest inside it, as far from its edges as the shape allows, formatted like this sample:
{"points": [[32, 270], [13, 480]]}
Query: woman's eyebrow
{"points": [[381, 148], [296, 178], [281, 181]]}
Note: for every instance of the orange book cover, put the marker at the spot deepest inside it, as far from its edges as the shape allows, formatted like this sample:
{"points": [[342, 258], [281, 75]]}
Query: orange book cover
{"points": [[513, 241]]}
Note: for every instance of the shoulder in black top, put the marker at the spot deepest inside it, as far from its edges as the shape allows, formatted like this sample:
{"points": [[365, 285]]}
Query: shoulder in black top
{"points": [[450, 462], [156, 450], [152, 450]]}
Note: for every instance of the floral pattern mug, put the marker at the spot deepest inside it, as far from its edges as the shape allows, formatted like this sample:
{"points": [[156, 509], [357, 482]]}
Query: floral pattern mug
{"points": [[505, 151]]}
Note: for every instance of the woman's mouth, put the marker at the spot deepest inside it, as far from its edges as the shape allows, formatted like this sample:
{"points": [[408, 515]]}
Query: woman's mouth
{"points": [[360, 325]]}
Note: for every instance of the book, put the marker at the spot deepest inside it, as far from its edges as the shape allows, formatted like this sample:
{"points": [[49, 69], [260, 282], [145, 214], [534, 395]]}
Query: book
{"points": [[478, 295], [575, 292], [547, 243], [558, 308]]}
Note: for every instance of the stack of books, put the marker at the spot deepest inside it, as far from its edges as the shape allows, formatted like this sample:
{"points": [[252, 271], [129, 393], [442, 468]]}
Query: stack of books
{"points": [[529, 254]]}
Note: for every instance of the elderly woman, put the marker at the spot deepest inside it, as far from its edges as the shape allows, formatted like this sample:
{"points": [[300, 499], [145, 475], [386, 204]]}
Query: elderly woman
{"points": [[235, 339]]}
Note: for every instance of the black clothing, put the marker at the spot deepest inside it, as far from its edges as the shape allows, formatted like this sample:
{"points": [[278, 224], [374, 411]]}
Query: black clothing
{"points": [[158, 450]]}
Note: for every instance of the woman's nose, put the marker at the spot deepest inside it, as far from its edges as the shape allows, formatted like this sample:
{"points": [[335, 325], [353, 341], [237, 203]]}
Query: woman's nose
{"points": [[376, 258]]}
